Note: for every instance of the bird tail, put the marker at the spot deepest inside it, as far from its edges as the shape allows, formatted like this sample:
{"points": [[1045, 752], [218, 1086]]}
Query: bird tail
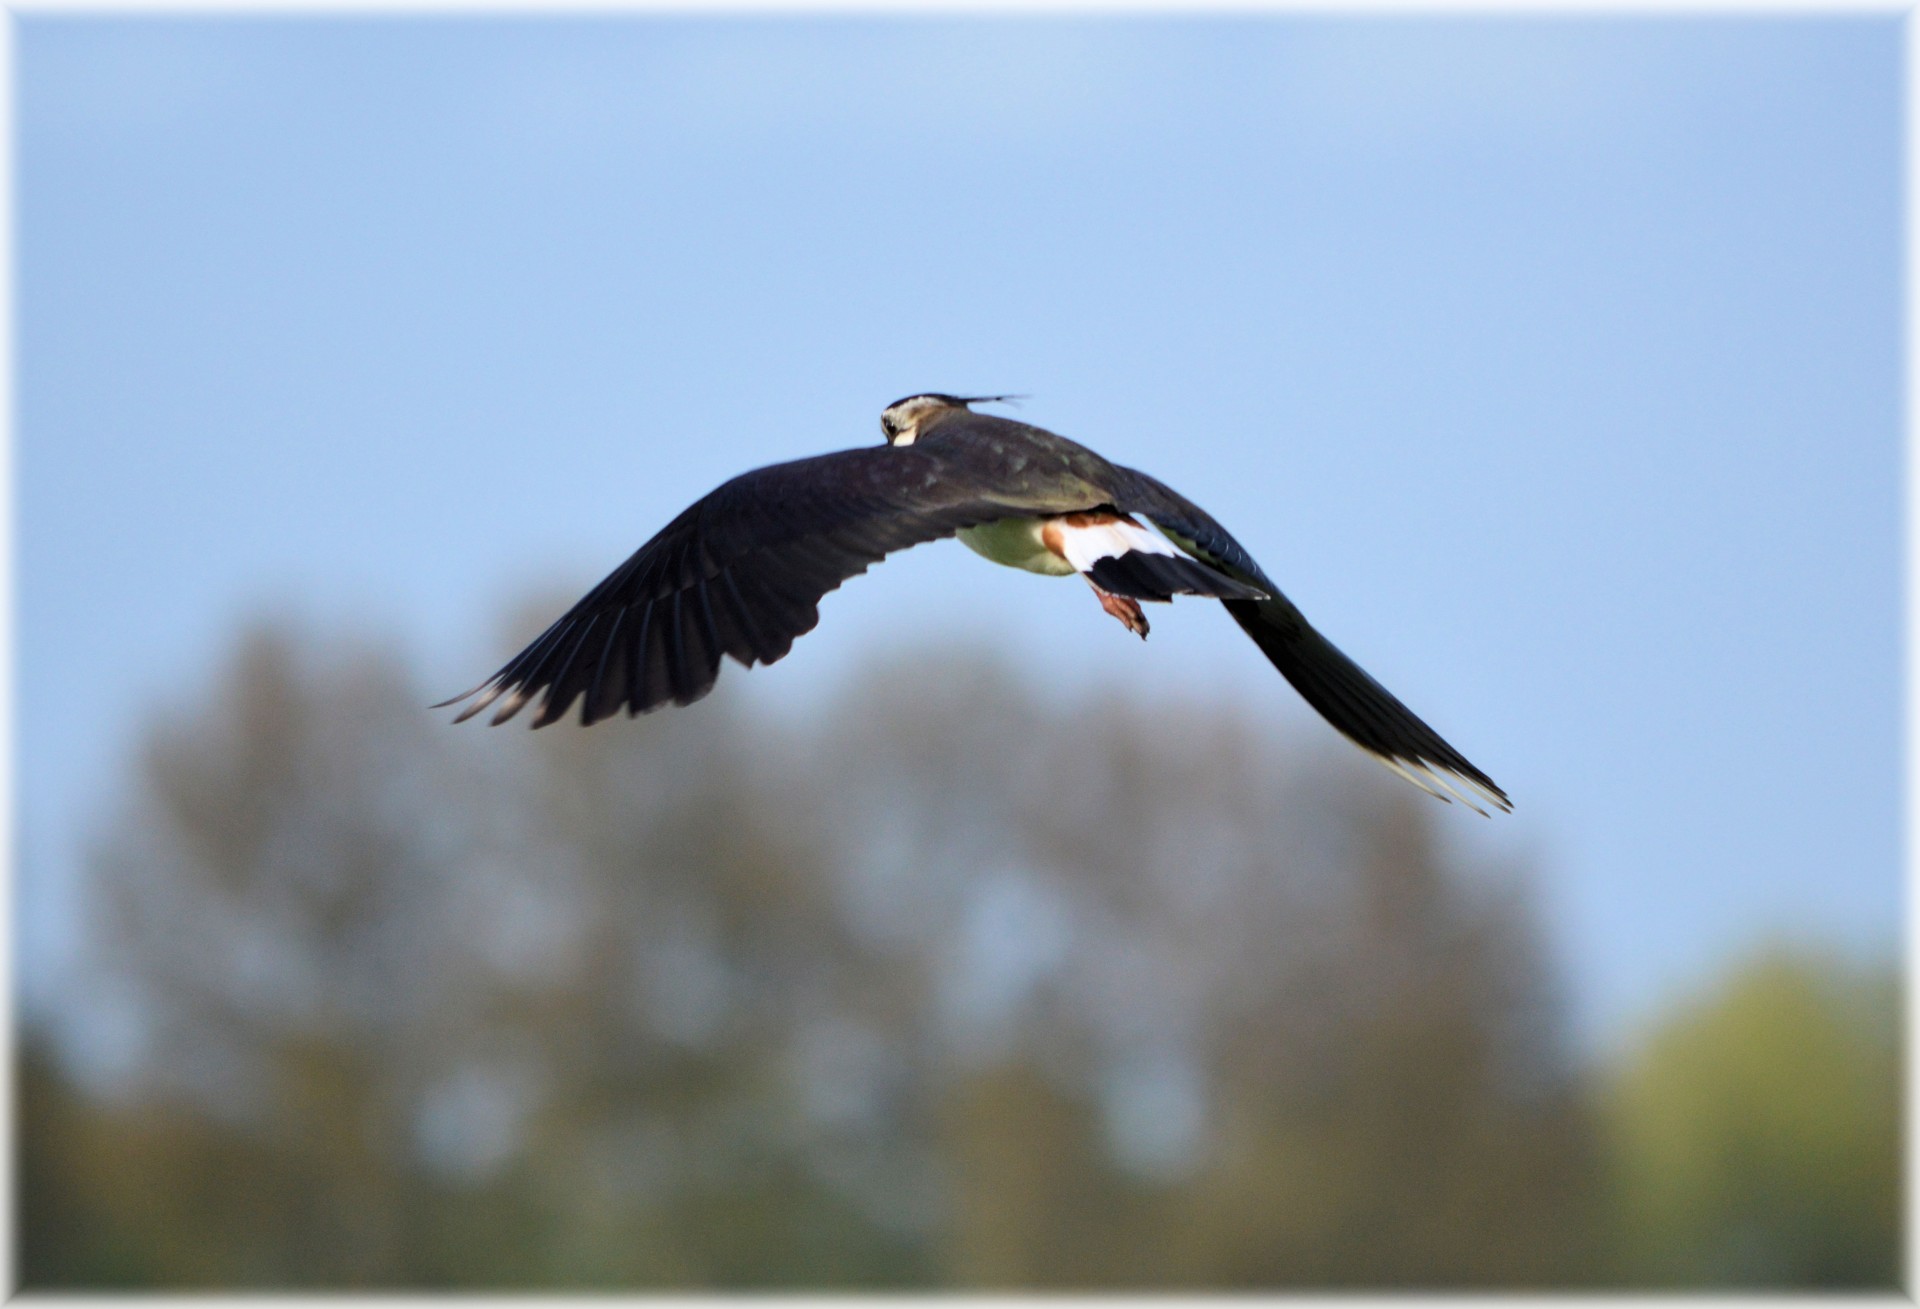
{"points": [[1363, 710], [1149, 576]]}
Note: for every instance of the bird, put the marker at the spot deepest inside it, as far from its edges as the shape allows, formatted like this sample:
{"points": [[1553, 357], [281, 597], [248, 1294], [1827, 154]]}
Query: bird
{"points": [[741, 573]]}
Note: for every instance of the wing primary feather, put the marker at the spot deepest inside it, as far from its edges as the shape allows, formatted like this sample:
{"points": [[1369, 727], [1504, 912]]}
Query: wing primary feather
{"points": [[492, 694], [1495, 797], [822, 562], [702, 660], [512, 704], [559, 694], [501, 680], [528, 661], [1353, 702], [1395, 729], [639, 697], [514, 676], [1444, 778], [473, 690], [593, 708], [677, 664], [756, 644], [1407, 773], [659, 676], [783, 536], [716, 646], [776, 583], [766, 614], [695, 663]]}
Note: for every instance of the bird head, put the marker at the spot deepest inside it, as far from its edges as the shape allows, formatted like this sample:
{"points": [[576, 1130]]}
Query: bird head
{"points": [[904, 421]]}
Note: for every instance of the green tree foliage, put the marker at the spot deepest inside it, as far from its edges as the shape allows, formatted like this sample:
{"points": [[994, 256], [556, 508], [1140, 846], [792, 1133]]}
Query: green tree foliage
{"points": [[939, 987], [1758, 1133]]}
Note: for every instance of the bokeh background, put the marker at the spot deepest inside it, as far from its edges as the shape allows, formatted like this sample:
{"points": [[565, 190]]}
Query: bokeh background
{"points": [[1552, 364]]}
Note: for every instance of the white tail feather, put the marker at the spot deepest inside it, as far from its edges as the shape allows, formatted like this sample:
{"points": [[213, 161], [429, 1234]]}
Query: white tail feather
{"points": [[1083, 546]]}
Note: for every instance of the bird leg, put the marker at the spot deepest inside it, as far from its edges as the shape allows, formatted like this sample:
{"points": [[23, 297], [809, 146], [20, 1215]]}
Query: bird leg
{"points": [[1123, 607]]}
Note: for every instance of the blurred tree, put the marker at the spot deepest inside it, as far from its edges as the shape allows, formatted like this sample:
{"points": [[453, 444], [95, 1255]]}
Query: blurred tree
{"points": [[1212, 1020], [430, 985], [1422, 1126], [1757, 1133], [270, 909], [940, 986], [65, 1235]]}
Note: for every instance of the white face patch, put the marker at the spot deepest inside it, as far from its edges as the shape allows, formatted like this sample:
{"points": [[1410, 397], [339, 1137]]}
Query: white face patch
{"points": [[907, 416]]}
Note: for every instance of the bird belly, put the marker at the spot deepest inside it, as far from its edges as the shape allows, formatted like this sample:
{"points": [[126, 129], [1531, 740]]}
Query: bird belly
{"points": [[1016, 543]]}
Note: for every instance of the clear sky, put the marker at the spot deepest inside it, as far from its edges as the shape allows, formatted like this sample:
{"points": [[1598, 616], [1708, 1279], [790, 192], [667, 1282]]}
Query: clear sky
{"points": [[1552, 365]]}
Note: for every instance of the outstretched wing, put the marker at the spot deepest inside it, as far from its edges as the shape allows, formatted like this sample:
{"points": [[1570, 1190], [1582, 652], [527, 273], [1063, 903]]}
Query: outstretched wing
{"points": [[1339, 689], [740, 573]]}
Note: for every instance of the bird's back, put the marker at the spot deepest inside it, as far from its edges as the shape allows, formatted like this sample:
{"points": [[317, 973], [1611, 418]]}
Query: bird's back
{"points": [[1022, 462]]}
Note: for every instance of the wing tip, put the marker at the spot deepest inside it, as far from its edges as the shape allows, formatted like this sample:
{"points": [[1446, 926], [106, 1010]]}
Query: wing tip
{"points": [[1452, 783], [488, 691], [470, 692]]}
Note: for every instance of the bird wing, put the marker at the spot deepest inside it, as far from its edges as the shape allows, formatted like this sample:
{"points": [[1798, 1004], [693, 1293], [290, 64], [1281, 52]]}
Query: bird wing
{"points": [[1341, 691], [741, 573]]}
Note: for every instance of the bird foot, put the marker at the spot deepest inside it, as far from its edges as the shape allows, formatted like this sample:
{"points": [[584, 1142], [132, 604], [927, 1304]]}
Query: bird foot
{"points": [[1126, 609]]}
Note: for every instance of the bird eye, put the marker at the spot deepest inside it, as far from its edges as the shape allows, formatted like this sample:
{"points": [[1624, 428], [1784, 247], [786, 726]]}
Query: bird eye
{"points": [[887, 429]]}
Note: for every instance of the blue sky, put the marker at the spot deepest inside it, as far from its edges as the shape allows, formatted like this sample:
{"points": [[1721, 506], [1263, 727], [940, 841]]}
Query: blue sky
{"points": [[1552, 365]]}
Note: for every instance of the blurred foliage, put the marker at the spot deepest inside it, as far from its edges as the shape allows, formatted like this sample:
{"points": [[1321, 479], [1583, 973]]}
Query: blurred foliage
{"points": [[1757, 1133], [942, 986]]}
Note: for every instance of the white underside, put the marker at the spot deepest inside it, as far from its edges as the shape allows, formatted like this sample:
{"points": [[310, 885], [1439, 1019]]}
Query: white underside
{"points": [[1016, 542]]}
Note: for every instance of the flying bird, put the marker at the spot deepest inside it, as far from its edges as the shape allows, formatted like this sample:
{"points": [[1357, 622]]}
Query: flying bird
{"points": [[743, 570]]}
